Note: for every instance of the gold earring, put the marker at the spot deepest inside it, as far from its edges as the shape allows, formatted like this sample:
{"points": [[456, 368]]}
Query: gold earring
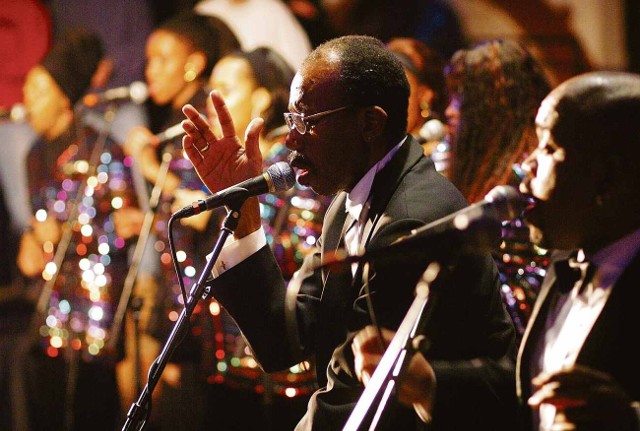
{"points": [[189, 72], [425, 109]]}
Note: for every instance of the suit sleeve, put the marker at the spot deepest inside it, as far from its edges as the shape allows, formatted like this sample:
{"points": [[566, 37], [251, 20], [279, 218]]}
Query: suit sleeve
{"points": [[279, 333]]}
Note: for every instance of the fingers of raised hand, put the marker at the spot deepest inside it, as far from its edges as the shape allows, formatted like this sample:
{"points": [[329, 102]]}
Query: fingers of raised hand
{"points": [[190, 146], [199, 136], [224, 117], [252, 138]]}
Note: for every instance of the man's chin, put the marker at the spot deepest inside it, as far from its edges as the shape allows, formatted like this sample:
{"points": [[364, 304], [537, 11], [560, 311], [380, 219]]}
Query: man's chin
{"points": [[319, 190], [309, 181], [536, 236], [322, 189], [544, 241]]}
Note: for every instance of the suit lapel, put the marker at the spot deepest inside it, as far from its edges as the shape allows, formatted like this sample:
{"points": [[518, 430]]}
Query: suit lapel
{"points": [[332, 230], [535, 325], [606, 335], [608, 330], [385, 185]]}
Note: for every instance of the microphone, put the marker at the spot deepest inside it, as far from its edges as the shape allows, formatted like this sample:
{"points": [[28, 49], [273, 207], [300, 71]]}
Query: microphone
{"points": [[170, 133], [16, 114], [277, 178], [432, 130], [137, 92], [475, 229], [502, 203]]}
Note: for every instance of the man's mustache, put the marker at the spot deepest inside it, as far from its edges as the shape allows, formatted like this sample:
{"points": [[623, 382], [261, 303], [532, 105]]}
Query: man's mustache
{"points": [[296, 159]]}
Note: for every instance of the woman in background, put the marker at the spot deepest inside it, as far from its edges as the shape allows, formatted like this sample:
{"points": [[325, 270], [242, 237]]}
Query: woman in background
{"points": [[424, 68], [77, 179], [495, 90], [181, 53]]}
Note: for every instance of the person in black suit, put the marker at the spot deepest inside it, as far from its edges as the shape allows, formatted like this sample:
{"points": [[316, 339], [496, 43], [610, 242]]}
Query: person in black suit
{"points": [[348, 136], [578, 365]]}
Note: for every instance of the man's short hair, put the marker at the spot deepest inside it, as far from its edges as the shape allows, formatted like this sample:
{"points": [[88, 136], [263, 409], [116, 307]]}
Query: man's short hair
{"points": [[599, 112], [370, 75]]}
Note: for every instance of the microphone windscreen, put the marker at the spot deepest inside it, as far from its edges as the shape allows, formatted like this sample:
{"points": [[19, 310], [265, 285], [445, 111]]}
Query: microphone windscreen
{"points": [[507, 201], [432, 130], [282, 176], [138, 92], [16, 114]]}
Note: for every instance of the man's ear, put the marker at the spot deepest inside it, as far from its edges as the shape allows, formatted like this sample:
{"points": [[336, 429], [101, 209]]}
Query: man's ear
{"points": [[610, 175], [372, 122], [260, 101]]}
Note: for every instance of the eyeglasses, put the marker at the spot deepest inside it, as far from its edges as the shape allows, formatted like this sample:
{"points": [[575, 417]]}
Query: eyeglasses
{"points": [[300, 122]]}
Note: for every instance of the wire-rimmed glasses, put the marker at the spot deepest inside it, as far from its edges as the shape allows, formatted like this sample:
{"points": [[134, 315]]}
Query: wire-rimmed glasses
{"points": [[301, 122]]}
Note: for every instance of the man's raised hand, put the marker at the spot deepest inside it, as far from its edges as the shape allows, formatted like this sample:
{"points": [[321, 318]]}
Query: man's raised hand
{"points": [[221, 161]]}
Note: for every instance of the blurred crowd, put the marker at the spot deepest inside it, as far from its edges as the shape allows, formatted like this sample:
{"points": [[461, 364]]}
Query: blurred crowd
{"points": [[92, 169]]}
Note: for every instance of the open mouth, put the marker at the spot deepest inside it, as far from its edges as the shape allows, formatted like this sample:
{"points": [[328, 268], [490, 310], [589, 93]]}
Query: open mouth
{"points": [[530, 205], [531, 202], [299, 164], [520, 175]]}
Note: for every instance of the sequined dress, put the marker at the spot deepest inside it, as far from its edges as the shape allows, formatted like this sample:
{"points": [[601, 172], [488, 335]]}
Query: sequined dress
{"points": [[81, 181], [522, 268]]}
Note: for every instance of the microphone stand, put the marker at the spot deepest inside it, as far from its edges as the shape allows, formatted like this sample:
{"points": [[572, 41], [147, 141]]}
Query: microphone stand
{"points": [[136, 308], [143, 238], [384, 379], [140, 410]]}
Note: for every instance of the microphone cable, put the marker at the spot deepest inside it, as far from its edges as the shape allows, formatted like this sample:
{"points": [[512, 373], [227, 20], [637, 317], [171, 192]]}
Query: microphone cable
{"points": [[174, 258]]}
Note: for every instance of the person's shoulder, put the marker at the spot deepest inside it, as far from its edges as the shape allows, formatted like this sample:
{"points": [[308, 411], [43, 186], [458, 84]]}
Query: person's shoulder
{"points": [[420, 191], [427, 187]]}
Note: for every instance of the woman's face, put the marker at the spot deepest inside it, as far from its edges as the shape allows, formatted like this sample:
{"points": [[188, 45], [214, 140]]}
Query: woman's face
{"points": [[44, 100], [453, 115], [233, 78], [167, 56]]}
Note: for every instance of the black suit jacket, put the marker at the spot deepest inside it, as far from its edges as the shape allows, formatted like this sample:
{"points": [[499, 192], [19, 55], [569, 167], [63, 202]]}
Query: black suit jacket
{"points": [[609, 347], [471, 338]]}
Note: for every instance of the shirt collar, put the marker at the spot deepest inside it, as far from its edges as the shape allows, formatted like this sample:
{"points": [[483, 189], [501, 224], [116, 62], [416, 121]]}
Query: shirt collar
{"points": [[358, 196]]}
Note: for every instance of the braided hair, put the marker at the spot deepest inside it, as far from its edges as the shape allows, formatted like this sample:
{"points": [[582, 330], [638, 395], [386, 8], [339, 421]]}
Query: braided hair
{"points": [[500, 86]]}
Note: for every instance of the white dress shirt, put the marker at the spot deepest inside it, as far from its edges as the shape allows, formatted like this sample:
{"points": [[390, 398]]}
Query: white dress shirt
{"points": [[358, 202], [574, 314]]}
